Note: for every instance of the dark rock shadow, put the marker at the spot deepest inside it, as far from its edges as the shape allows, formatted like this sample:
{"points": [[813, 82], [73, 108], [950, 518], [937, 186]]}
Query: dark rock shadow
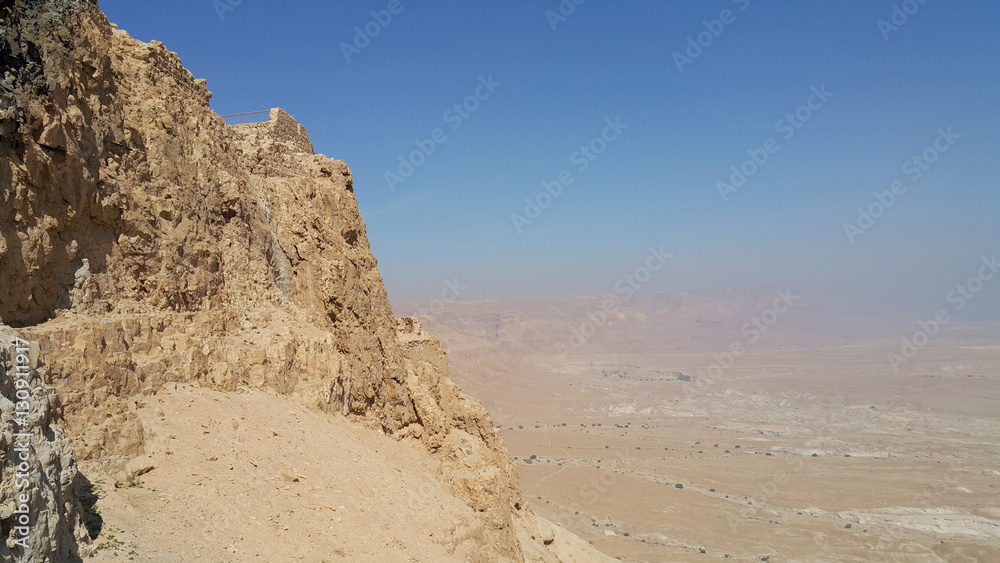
{"points": [[89, 495]]}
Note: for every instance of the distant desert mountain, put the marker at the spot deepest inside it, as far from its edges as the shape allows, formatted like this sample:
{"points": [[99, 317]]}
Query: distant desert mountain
{"points": [[645, 322], [146, 243], [498, 344]]}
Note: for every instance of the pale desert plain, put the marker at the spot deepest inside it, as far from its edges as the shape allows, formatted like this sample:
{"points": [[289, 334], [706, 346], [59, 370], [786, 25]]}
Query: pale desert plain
{"points": [[636, 430]]}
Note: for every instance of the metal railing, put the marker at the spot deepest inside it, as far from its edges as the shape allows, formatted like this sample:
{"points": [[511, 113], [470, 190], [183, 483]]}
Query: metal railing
{"points": [[247, 113]]}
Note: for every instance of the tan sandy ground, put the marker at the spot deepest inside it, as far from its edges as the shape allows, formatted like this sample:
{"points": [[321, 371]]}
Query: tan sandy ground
{"points": [[904, 467], [810, 447], [254, 476]]}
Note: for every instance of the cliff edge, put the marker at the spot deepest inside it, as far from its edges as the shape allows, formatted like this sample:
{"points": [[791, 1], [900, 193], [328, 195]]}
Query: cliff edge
{"points": [[144, 243]]}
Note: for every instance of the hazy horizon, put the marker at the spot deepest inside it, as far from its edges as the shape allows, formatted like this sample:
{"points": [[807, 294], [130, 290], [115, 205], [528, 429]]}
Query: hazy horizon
{"points": [[839, 99]]}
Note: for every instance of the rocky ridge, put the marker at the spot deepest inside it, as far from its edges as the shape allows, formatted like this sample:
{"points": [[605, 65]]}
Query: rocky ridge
{"points": [[143, 241]]}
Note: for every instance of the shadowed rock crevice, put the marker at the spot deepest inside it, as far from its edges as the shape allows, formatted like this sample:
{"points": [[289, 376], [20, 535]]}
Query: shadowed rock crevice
{"points": [[53, 117], [89, 497]]}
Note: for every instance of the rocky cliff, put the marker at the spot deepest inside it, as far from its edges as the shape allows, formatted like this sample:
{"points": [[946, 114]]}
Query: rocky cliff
{"points": [[143, 241], [41, 515]]}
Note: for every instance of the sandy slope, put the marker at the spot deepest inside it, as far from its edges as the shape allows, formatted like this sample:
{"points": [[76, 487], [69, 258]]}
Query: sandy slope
{"points": [[254, 476]]}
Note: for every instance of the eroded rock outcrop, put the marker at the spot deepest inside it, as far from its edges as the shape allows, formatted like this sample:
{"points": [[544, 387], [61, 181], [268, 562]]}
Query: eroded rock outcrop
{"points": [[41, 518], [144, 241]]}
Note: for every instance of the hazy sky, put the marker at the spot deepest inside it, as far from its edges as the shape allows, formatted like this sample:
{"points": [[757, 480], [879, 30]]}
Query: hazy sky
{"points": [[837, 102]]}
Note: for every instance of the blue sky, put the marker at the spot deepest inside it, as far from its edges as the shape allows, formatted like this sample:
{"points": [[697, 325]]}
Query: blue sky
{"points": [[656, 182]]}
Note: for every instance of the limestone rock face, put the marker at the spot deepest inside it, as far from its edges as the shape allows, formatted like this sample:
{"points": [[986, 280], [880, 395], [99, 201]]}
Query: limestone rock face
{"points": [[143, 241], [40, 511]]}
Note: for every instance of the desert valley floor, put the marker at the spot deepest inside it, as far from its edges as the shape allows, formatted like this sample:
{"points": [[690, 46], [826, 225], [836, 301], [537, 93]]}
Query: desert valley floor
{"points": [[810, 446]]}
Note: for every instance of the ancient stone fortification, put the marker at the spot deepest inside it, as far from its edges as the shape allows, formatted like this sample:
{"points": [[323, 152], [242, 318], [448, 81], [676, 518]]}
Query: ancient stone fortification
{"points": [[144, 241]]}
